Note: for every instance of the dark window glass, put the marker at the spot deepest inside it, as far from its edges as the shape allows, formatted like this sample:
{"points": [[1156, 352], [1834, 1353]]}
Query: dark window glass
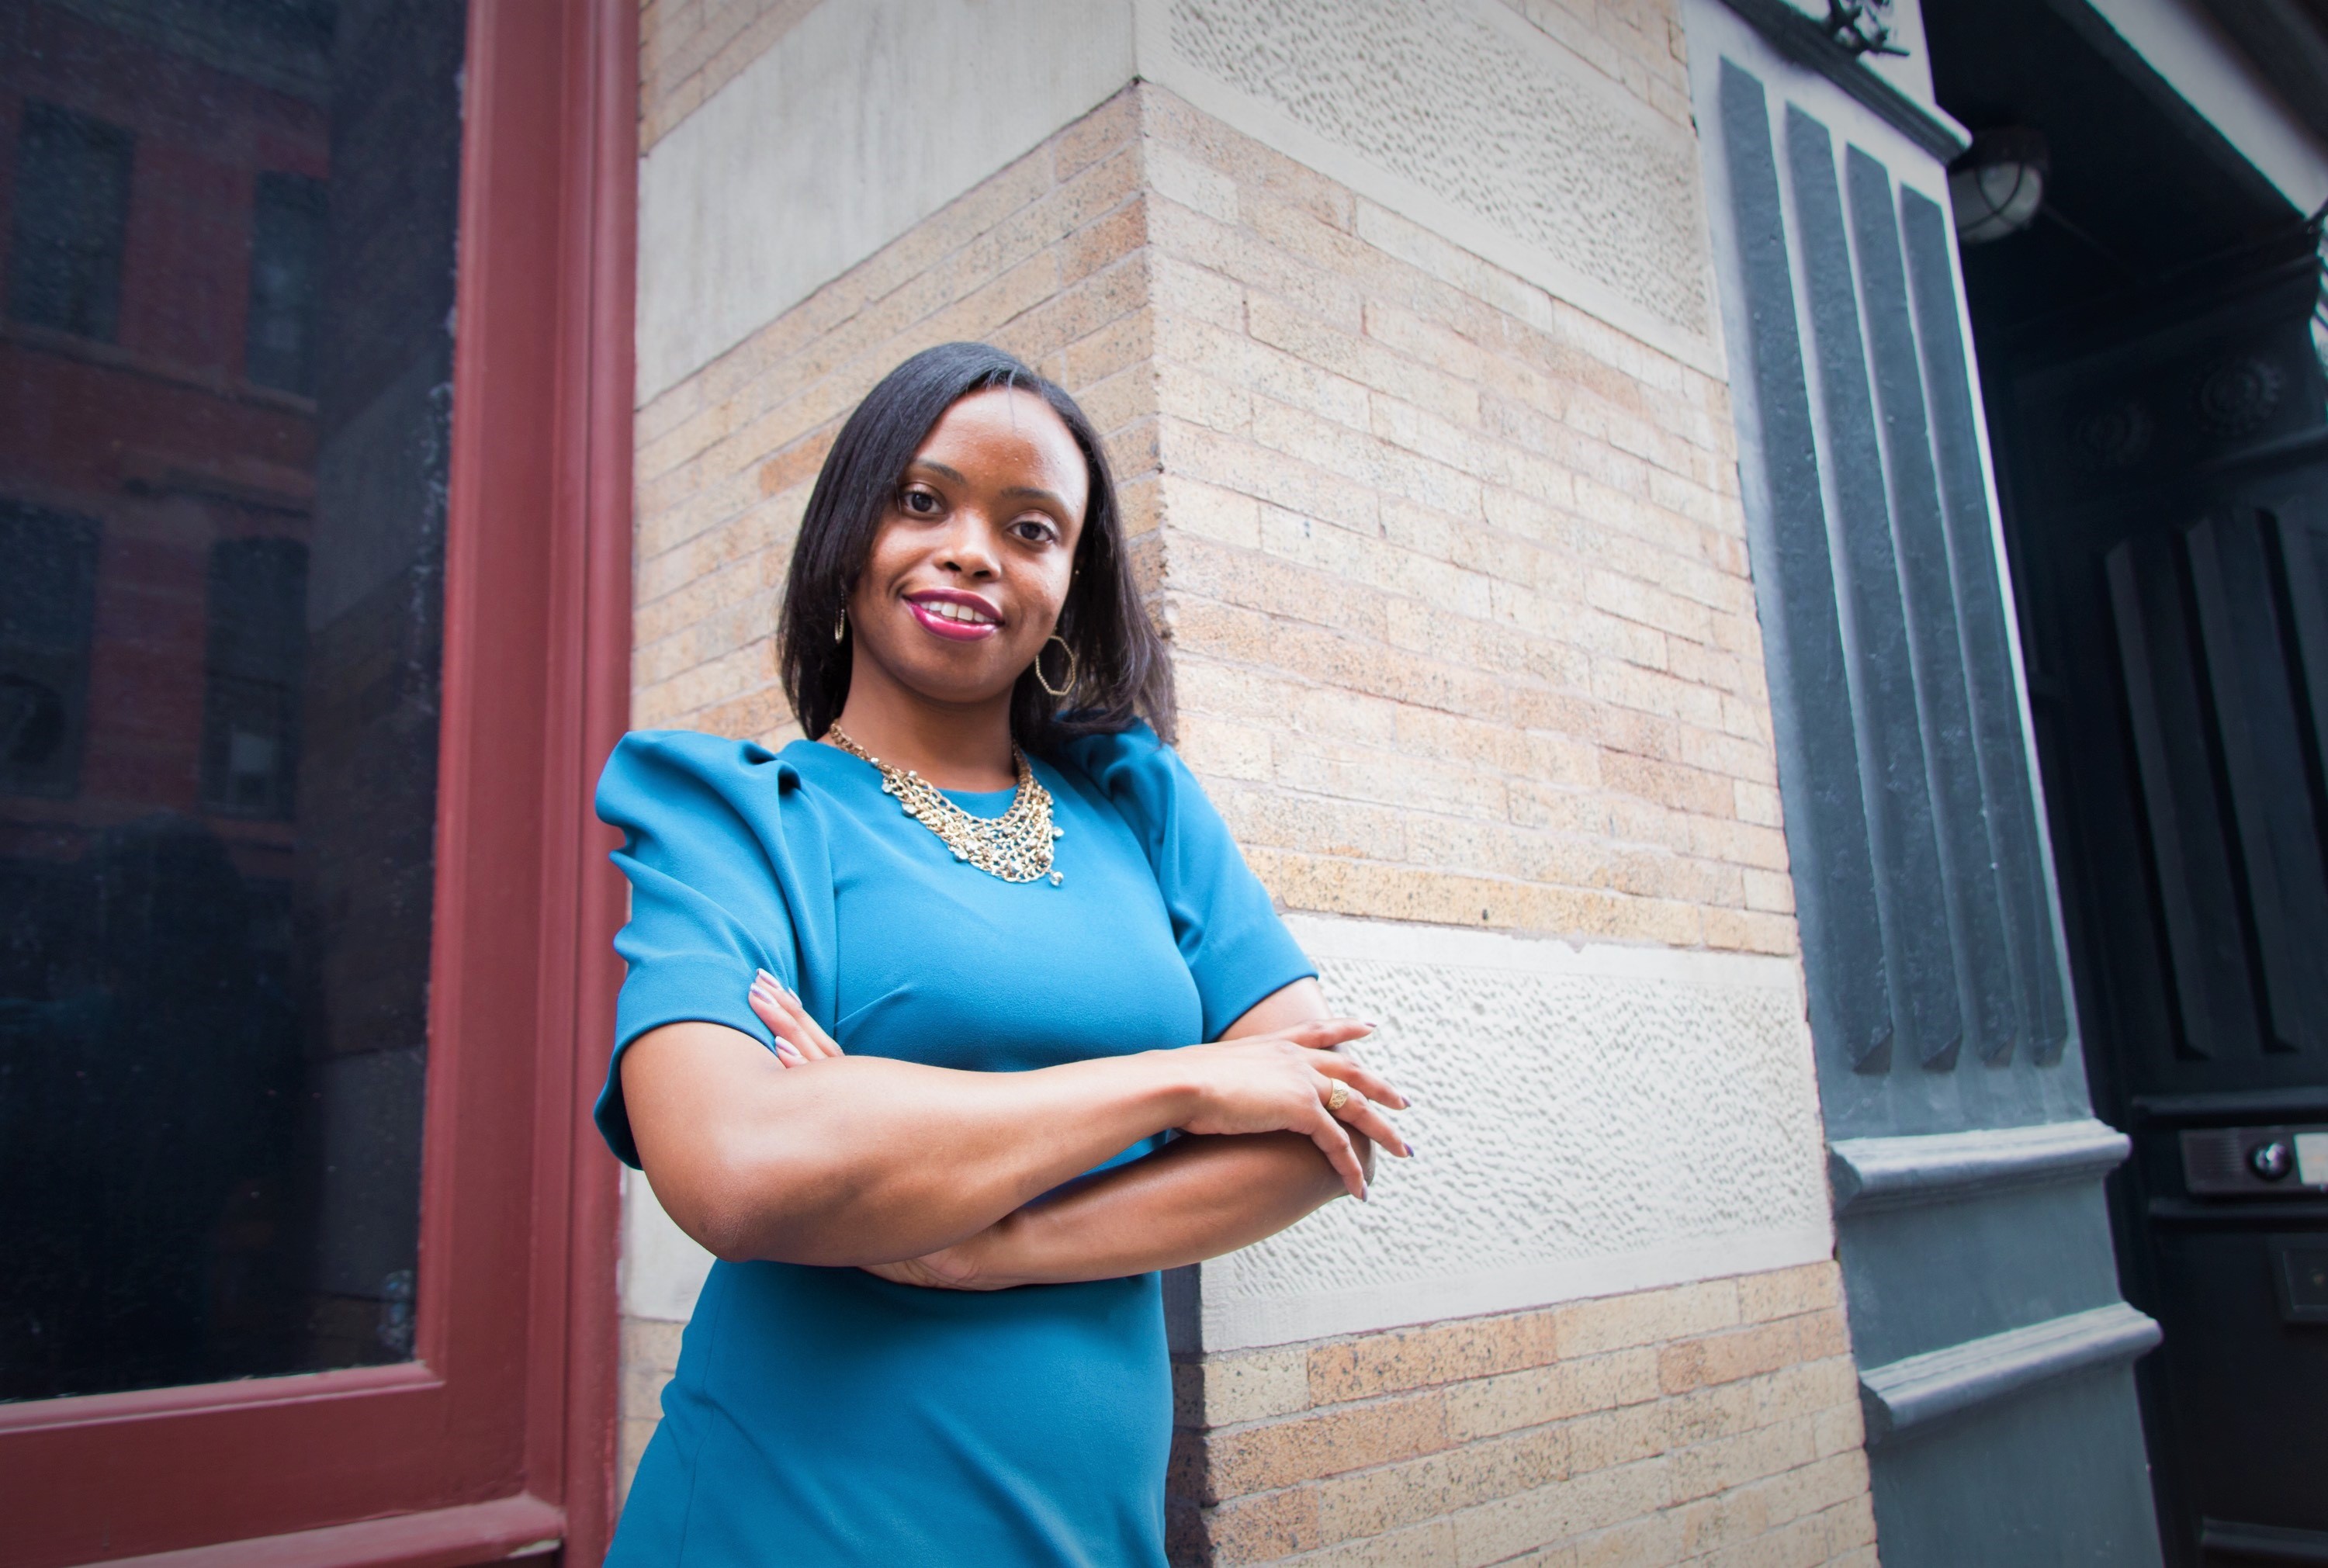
{"points": [[287, 260], [251, 699], [220, 629], [48, 583], [72, 204]]}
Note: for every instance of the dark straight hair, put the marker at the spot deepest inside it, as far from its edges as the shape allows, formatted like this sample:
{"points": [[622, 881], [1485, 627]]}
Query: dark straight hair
{"points": [[1120, 671]]}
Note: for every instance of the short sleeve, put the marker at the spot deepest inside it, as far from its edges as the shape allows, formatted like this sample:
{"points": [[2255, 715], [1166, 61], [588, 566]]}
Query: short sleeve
{"points": [[1236, 947], [708, 908]]}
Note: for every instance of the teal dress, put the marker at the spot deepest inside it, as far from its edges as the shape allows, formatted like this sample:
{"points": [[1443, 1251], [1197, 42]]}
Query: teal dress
{"points": [[826, 1417]]}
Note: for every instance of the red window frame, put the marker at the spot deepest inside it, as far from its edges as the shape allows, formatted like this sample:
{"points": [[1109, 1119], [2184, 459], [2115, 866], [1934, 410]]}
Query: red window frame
{"points": [[499, 1437]]}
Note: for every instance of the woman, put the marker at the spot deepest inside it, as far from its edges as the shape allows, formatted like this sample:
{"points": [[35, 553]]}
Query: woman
{"points": [[905, 1039]]}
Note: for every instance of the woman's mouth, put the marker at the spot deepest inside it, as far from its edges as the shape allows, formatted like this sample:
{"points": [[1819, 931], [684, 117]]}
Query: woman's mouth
{"points": [[963, 617]]}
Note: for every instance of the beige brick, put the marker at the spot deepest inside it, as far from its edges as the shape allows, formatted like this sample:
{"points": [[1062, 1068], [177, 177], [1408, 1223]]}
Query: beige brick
{"points": [[1549, 1393], [1575, 1507], [1375, 1501], [1783, 1293], [1223, 1390], [1261, 1529], [1609, 1438], [1442, 1353], [1426, 1545], [1325, 1443], [1732, 1462], [1647, 1542], [1617, 1322], [1744, 1352]]}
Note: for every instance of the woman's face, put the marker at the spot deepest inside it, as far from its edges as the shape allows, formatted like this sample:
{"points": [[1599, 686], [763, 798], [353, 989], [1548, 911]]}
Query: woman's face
{"points": [[973, 557]]}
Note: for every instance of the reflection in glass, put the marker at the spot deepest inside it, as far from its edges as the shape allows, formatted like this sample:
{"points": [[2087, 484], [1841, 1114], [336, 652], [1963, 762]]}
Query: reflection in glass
{"points": [[225, 391]]}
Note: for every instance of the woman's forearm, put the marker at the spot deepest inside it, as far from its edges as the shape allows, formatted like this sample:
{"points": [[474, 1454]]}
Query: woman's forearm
{"points": [[863, 1160], [807, 1155], [1196, 1199]]}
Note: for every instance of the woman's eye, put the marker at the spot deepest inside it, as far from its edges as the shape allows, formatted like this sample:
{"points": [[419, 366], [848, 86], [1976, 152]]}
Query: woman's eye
{"points": [[920, 503], [1035, 529]]}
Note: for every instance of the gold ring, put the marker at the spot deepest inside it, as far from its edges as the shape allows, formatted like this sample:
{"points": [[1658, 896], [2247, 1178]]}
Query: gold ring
{"points": [[1338, 1098]]}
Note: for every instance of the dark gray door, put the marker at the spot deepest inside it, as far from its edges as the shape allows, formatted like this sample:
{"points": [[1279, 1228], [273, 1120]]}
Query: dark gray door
{"points": [[2171, 517], [1992, 1345]]}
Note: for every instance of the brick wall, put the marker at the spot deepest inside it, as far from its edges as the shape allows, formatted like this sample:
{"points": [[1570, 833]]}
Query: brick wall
{"points": [[1715, 1422], [1456, 575]]}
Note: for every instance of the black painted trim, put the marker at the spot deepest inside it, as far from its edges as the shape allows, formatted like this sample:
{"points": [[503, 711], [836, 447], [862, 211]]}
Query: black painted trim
{"points": [[2263, 1542], [2233, 1105], [1798, 38]]}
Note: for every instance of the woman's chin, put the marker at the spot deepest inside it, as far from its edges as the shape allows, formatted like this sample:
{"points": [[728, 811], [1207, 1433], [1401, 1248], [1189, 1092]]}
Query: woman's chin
{"points": [[954, 688]]}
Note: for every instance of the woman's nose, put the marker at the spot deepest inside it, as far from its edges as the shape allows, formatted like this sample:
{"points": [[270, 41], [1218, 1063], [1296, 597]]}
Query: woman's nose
{"points": [[970, 547]]}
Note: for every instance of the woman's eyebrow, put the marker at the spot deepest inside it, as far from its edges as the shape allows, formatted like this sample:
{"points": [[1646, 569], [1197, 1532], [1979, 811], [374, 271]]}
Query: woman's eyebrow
{"points": [[1012, 492]]}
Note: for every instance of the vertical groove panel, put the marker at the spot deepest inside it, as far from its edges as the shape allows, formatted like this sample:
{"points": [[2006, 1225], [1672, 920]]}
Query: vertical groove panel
{"points": [[2197, 904], [1794, 586], [1908, 887], [2255, 724], [1967, 865], [1980, 615], [1999, 744], [2304, 556]]}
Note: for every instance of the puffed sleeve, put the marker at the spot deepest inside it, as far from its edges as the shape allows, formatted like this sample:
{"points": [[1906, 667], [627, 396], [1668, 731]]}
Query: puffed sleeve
{"points": [[702, 846], [1236, 947]]}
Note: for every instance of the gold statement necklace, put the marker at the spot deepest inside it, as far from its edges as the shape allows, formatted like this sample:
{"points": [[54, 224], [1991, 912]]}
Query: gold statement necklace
{"points": [[1016, 846]]}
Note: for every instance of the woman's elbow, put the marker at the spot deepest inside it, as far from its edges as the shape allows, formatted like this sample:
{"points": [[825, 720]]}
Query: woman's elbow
{"points": [[729, 1201]]}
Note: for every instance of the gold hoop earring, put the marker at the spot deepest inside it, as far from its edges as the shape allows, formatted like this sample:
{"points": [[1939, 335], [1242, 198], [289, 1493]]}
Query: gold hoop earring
{"points": [[1046, 685], [841, 626]]}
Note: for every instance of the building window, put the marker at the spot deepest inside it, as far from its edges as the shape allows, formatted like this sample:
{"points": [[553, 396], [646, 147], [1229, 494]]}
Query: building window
{"points": [[47, 602], [287, 264], [258, 952], [73, 208], [257, 639]]}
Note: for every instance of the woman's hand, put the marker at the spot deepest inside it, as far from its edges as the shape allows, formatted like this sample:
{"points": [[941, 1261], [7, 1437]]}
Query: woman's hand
{"points": [[1286, 1081], [939, 1271], [799, 1039], [959, 1267]]}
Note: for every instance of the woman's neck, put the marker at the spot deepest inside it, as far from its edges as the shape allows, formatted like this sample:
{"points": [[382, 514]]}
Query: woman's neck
{"points": [[965, 746]]}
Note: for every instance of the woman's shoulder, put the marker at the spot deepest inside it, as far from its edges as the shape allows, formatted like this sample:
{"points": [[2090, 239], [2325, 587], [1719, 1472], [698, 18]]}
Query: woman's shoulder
{"points": [[678, 768], [1118, 760], [1136, 772]]}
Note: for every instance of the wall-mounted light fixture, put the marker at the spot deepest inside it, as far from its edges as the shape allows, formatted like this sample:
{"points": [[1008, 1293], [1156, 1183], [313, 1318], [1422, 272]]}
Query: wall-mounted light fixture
{"points": [[1996, 187]]}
